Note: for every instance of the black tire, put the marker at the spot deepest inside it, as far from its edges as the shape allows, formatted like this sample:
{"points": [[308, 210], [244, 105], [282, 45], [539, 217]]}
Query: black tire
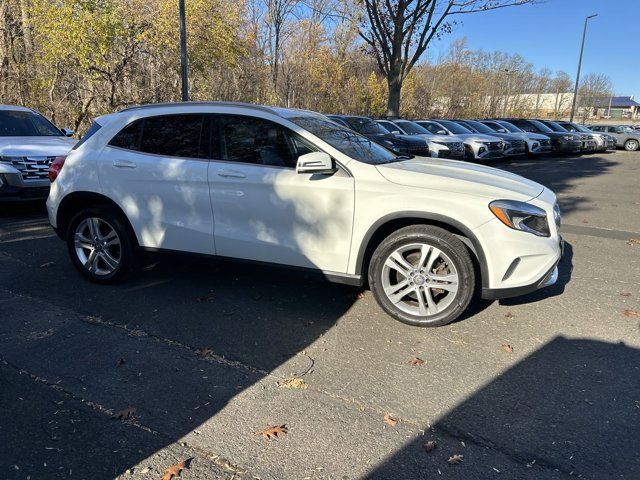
{"points": [[631, 145], [113, 219], [449, 245]]}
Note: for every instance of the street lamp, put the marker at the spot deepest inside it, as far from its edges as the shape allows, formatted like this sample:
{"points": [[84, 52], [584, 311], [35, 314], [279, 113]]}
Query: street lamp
{"points": [[508, 73], [575, 90], [183, 52]]}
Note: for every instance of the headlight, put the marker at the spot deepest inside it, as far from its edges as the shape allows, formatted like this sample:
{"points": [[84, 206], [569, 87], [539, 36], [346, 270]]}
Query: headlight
{"points": [[521, 216], [568, 138], [556, 214]]}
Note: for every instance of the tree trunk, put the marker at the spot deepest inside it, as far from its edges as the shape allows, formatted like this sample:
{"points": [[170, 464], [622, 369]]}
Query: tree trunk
{"points": [[395, 89]]}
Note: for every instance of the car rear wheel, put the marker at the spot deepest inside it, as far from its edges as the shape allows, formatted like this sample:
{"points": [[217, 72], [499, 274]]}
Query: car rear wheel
{"points": [[631, 145], [422, 275], [100, 245]]}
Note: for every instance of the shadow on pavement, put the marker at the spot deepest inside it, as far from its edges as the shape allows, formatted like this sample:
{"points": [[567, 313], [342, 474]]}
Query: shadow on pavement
{"points": [[572, 407]]}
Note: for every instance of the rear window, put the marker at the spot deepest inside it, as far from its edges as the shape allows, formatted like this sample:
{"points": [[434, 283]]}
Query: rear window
{"points": [[19, 123], [95, 126]]}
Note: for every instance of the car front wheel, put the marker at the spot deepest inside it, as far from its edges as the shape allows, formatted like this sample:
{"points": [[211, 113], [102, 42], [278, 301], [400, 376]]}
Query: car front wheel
{"points": [[631, 145], [422, 275], [100, 245]]}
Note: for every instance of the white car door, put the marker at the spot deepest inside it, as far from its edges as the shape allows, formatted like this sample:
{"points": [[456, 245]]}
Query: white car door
{"points": [[265, 211], [156, 170]]}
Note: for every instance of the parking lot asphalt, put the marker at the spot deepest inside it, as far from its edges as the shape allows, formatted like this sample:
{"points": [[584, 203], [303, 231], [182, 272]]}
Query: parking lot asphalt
{"points": [[209, 354]]}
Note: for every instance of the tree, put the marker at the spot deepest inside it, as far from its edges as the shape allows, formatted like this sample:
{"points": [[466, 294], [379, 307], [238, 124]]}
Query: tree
{"points": [[595, 88], [398, 33]]}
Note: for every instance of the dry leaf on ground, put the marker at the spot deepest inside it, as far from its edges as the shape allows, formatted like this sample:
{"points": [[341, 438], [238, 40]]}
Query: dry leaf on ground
{"points": [[453, 459], [204, 352], [389, 420], [174, 470], [415, 361], [120, 362], [509, 315], [507, 348], [631, 313], [125, 414], [625, 294], [292, 383], [360, 295], [633, 241], [273, 432], [205, 298], [430, 446]]}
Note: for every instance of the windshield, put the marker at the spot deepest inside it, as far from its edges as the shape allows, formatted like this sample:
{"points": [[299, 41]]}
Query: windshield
{"points": [[18, 123], [510, 126], [479, 127], [413, 128], [556, 126], [346, 141], [454, 128], [366, 126], [388, 126], [541, 126]]}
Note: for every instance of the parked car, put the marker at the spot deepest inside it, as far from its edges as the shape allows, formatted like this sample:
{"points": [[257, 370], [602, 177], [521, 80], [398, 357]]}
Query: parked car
{"points": [[603, 141], [625, 137], [377, 133], [477, 146], [514, 146], [442, 146], [28, 144], [589, 144], [536, 143], [293, 188], [561, 143]]}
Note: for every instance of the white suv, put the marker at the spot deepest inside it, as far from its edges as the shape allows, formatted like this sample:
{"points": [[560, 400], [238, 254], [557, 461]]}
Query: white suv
{"points": [[291, 187]]}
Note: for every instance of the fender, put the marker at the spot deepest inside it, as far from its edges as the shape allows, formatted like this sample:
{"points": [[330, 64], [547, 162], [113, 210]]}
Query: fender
{"points": [[473, 243]]}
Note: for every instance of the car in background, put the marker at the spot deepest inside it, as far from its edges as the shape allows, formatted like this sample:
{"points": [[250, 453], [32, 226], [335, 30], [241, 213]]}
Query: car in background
{"points": [[477, 146], [28, 145], [626, 137], [442, 146], [561, 143], [514, 146], [375, 132], [536, 143], [589, 144], [603, 141]]}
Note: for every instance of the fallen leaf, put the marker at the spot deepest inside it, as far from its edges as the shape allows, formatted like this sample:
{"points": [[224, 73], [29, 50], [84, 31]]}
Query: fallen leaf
{"points": [[585, 221], [273, 432], [292, 382], [308, 323], [389, 420], [47, 264], [204, 352], [125, 414], [453, 459], [625, 294], [205, 298], [415, 361], [507, 348], [633, 241], [119, 362], [174, 470], [509, 315], [631, 313], [430, 446], [360, 295]]}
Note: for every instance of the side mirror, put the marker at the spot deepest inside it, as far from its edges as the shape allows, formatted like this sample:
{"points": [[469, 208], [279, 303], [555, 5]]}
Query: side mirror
{"points": [[67, 132], [442, 132], [396, 132], [316, 162]]}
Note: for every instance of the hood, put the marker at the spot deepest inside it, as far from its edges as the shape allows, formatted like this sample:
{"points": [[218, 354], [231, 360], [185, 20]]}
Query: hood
{"points": [[460, 177], [536, 136], [478, 137], [508, 136], [35, 146], [444, 138]]}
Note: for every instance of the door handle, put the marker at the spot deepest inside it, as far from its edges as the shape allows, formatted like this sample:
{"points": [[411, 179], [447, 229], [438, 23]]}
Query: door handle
{"points": [[231, 174], [124, 164]]}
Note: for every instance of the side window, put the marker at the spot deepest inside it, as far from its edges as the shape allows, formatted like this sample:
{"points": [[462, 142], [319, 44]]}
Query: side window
{"points": [[259, 141], [173, 136], [128, 137], [431, 127]]}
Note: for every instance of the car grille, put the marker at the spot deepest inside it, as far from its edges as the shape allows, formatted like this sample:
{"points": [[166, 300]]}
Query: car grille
{"points": [[585, 138], [31, 168], [494, 146], [517, 144], [545, 143], [421, 150], [456, 147]]}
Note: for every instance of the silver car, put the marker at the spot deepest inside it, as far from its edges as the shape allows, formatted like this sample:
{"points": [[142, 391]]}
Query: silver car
{"points": [[625, 136]]}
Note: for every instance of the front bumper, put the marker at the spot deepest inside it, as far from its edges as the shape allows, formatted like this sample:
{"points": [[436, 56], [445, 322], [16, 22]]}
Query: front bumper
{"points": [[574, 146], [515, 152], [589, 146], [14, 188]]}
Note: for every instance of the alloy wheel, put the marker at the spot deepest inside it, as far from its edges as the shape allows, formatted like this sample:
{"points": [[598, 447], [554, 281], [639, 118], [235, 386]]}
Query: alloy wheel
{"points": [[97, 246]]}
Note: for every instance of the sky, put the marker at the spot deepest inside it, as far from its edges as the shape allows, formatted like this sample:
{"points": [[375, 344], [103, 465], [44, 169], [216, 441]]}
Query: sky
{"points": [[548, 34]]}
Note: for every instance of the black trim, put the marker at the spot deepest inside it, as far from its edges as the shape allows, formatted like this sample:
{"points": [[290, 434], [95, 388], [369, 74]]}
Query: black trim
{"points": [[498, 293], [477, 248]]}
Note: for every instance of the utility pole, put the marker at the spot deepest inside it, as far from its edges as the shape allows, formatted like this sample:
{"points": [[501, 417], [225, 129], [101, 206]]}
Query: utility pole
{"points": [[183, 52], [575, 89], [508, 73]]}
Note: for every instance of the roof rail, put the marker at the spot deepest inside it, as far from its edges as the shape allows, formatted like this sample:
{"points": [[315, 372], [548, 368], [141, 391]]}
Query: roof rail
{"points": [[204, 104]]}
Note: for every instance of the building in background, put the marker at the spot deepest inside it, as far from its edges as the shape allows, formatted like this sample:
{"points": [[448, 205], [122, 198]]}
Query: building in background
{"points": [[617, 108]]}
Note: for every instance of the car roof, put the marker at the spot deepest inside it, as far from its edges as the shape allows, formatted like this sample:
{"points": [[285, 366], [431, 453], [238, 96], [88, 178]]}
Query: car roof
{"points": [[17, 108]]}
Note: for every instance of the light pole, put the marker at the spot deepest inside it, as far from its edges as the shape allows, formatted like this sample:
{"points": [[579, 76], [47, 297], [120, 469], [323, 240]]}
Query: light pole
{"points": [[508, 73], [183, 52], [575, 89]]}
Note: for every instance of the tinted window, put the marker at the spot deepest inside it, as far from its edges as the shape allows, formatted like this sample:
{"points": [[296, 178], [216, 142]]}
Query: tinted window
{"points": [[389, 126], [454, 128], [95, 126], [413, 128], [433, 128], [173, 136], [128, 137], [366, 126], [18, 123], [478, 127], [556, 127], [509, 126], [255, 140]]}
